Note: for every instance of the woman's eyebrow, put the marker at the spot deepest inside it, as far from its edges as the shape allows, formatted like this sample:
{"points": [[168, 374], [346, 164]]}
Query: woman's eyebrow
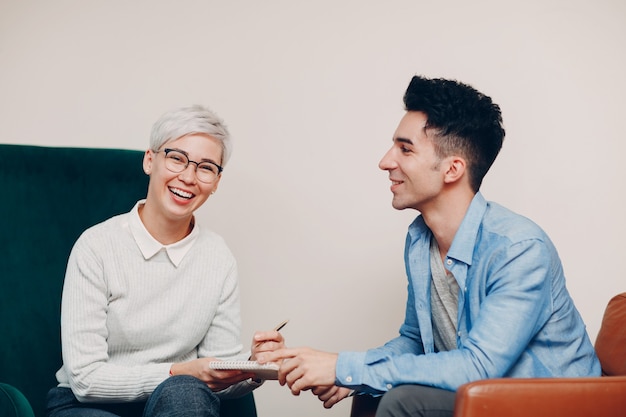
{"points": [[209, 160], [201, 160]]}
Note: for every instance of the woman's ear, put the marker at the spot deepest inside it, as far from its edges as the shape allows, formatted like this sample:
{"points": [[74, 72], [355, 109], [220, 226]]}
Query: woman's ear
{"points": [[215, 185], [147, 161]]}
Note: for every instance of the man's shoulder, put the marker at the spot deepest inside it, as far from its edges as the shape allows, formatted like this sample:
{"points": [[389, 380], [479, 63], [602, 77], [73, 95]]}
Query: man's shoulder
{"points": [[504, 222]]}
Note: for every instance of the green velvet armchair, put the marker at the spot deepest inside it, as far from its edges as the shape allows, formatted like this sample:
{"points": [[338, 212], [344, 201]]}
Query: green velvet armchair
{"points": [[50, 196]]}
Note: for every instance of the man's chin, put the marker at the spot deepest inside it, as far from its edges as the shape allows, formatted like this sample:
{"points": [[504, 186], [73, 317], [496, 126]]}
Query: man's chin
{"points": [[398, 205], [401, 205]]}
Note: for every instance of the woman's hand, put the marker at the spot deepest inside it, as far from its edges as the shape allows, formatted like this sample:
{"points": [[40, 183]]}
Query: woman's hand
{"points": [[266, 342], [216, 379]]}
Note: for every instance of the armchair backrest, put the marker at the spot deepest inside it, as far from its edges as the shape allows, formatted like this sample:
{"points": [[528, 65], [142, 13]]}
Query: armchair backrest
{"points": [[611, 340], [50, 196]]}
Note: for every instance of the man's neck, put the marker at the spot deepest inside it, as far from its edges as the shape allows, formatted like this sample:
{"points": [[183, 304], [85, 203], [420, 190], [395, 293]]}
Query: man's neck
{"points": [[446, 217]]}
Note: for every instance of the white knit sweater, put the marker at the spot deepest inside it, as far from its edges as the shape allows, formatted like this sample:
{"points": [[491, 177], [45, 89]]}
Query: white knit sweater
{"points": [[131, 307]]}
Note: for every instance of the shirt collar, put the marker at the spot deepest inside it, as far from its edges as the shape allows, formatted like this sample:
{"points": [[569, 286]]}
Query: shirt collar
{"points": [[462, 248], [149, 246]]}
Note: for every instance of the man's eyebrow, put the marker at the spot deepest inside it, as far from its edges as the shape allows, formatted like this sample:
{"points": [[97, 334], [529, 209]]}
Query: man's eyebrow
{"points": [[403, 140]]}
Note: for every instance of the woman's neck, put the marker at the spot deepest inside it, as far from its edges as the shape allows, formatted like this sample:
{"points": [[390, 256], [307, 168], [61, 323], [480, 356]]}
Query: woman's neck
{"points": [[165, 231]]}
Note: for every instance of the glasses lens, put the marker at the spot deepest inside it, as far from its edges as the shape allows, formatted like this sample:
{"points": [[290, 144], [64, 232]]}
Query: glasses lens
{"points": [[206, 172], [176, 161]]}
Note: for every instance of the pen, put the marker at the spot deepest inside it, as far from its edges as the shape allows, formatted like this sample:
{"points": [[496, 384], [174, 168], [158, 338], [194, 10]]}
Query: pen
{"points": [[280, 325]]}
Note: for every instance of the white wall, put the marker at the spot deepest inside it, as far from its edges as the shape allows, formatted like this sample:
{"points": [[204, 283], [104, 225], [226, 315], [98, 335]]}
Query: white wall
{"points": [[312, 94]]}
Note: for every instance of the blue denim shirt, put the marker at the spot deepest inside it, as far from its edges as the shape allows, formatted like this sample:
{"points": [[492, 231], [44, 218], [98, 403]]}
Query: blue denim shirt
{"points": [[515, 316]]}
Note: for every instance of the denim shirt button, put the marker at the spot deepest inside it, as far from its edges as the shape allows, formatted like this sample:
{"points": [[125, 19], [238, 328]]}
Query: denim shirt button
{"points": [[348, 379], [449, 262]]}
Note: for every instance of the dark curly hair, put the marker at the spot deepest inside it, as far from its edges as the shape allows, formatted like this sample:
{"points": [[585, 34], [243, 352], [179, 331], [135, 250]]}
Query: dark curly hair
{"points": [[464, 121]]}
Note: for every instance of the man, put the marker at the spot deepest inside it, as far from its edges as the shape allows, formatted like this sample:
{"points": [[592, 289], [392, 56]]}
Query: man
{"points": [[487, 295]]}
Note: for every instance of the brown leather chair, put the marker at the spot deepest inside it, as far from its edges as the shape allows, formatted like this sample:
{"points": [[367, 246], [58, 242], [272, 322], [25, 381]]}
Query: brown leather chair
{"points": [[603, 396]]}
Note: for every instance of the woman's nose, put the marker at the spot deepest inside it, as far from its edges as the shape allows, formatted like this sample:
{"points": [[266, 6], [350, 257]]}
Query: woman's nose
{"points": [[188, 174]]}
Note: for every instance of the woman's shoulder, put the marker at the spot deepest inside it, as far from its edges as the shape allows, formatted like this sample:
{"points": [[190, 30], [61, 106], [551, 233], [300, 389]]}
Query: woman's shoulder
{"points": [[207, 238], [207, 235], [110, 228]]}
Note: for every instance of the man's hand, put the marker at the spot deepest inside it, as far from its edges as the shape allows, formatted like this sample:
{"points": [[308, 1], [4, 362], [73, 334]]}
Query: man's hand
{"points": [[302, 368], [331, 395]]}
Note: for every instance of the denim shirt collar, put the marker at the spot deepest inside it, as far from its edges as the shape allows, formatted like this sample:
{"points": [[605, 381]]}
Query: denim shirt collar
{"points": [[462, 248]]}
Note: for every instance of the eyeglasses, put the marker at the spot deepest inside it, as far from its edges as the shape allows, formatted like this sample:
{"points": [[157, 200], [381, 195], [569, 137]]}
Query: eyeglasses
{"points": [[177, 161]]}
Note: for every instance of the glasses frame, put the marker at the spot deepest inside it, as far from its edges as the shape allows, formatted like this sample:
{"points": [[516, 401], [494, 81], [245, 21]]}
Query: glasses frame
{"points": [[166, 151]]}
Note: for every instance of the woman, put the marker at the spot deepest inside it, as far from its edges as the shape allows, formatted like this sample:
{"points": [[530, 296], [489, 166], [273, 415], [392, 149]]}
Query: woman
{"points": [[150, 297]]}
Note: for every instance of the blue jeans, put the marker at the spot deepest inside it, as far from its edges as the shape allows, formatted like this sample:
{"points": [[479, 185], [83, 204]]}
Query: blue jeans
{"points": [[180, 395]]}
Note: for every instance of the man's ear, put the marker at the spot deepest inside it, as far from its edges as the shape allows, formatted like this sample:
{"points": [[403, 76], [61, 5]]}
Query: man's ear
{"points": [[456, 169]]}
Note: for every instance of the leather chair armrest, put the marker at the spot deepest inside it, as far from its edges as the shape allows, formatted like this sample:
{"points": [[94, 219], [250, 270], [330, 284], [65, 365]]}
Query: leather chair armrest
{"points": [[555, 397]]}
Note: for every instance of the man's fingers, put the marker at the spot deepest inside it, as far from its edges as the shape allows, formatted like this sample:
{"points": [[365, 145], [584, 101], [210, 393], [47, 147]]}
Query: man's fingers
{"points": [[276, 355], [325, 394]]}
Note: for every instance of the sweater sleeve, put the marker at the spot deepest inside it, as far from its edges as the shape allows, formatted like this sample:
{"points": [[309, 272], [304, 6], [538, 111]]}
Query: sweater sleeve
{"points": [[223, 340], [84, 336]]}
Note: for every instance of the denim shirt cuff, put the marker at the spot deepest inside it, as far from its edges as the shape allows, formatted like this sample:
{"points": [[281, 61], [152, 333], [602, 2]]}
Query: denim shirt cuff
{"points": [[349, 369]]}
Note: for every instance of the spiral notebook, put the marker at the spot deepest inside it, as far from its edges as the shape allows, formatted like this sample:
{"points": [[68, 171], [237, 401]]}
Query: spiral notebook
{"points": [[264, 371]]}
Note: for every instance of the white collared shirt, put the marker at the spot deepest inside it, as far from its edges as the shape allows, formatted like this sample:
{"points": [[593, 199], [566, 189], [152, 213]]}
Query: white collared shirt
{"points": [[149, 246]]}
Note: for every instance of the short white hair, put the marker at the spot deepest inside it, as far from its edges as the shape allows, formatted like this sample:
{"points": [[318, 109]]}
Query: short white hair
{"points": [[189, 120]]}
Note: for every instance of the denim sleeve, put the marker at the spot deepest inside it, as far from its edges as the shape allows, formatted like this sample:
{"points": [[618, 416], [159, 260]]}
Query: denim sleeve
{"points": [[504, 305], [358, 370]]}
